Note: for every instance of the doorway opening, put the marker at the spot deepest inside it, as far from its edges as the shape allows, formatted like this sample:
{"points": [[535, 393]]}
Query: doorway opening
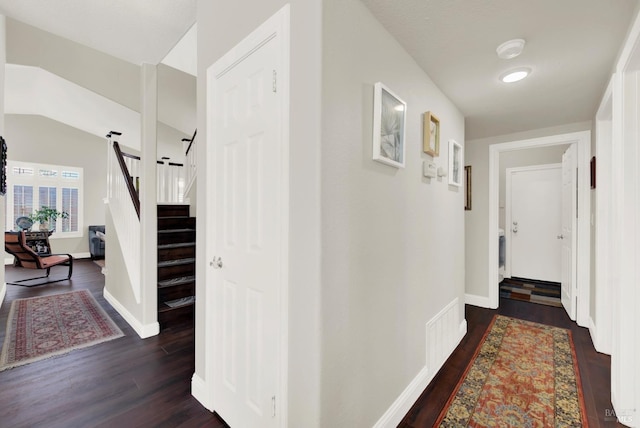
{"points": [[582, 141]]}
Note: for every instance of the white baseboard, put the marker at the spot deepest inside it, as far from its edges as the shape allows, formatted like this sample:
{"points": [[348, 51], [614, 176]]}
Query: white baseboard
{"points": [[407, 398], [200, 392], [143, 330], [480, 301], [401, 406]]}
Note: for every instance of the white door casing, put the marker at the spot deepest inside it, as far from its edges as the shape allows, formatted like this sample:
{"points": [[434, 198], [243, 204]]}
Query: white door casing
{"points": [[247, 240], [569, 211], [533, 211], [582, 140]]}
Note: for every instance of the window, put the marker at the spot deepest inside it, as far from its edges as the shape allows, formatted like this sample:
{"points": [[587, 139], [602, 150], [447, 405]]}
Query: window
{"points": [[32, 186]]}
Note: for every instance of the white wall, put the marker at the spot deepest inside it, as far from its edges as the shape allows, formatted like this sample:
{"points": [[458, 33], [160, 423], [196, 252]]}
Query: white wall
{"points": [[41, 140], [221, 25], [111, 77], [477, 220], [392, 240]]}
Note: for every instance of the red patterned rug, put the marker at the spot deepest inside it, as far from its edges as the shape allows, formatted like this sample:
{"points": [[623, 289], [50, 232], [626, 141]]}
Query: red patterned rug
{"points": [[41, 327], [523, 374]]}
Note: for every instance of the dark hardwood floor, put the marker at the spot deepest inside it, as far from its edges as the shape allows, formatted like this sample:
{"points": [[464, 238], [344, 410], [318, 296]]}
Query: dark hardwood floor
{"points": [[594, 367], [130, 382], [127, 382]]}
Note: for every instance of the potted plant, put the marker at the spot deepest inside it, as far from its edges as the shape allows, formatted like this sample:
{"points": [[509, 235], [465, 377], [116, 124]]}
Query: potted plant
{"points": [[46, 215]]}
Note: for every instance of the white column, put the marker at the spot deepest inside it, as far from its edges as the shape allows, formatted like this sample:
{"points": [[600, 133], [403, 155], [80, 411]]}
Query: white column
{"points": [[148, 204]]}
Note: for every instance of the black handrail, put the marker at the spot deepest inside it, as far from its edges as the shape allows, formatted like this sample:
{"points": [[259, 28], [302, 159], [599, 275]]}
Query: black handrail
{"points": [[191, 141], [127, 178]]}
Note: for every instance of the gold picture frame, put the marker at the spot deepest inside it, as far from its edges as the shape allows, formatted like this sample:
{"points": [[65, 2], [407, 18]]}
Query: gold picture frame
{"points": [[431, 134]]}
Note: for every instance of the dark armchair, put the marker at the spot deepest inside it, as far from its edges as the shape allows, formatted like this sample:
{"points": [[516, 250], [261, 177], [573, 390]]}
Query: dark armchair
{"points": [[96, 243]]}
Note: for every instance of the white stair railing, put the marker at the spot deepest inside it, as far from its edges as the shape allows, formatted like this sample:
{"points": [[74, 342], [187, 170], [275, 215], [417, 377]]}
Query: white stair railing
{"points": [[124, 212], [190, 164]]}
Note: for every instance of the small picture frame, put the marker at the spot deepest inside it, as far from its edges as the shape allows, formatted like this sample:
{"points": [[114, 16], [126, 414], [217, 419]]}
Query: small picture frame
{"points": [[455, 163], [389, 120], [431, 134], [467, 188]]}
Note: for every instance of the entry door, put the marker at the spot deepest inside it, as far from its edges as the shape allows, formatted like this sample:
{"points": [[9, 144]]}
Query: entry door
{"points": [[246, 233], [569, 217], [534, 198]]}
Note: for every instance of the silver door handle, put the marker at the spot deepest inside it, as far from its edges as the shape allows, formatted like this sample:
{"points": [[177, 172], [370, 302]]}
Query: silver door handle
{"points": [[560, 236], [216, 263]]}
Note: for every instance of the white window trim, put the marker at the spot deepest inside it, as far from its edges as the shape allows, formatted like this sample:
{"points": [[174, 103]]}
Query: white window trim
{"points": [[36, 181]]}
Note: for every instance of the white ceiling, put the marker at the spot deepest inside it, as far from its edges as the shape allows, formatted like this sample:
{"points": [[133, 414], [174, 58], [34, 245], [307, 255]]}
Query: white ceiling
{"points": [[571, 47], [138, 31]]}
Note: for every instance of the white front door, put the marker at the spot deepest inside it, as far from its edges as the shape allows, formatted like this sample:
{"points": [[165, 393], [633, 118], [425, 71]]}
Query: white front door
{"points": [[245, 230], [534, 200], [569, 218]]}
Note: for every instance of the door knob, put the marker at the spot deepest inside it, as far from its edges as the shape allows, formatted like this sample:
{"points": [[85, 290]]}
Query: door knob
{"points": [[216, 263]]}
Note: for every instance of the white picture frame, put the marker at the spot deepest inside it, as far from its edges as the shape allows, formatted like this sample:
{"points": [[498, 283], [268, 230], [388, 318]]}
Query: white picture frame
{"points": [[389, 124], [456, 165]]}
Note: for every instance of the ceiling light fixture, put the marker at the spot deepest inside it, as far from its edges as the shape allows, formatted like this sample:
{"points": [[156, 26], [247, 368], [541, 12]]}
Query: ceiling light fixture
{"points": [[510, 48], [515, 75]]}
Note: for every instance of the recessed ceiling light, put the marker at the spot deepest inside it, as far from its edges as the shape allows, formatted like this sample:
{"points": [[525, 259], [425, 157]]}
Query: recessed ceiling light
{"points": [[510, 48], [515, 75]]}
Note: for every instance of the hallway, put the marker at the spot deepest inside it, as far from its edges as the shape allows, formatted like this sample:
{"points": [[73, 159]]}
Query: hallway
{"points": [[594, 367]]}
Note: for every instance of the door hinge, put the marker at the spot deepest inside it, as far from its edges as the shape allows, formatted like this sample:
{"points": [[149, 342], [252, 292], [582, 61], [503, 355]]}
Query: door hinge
{"points": [[275, 80], [273, 403]]}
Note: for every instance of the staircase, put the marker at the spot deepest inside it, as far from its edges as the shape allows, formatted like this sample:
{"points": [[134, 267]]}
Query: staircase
{"points": [[176, 265]]}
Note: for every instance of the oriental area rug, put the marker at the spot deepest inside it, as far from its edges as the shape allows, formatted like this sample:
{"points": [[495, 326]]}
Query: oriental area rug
{"points": [[523, 374], [42, 327]]}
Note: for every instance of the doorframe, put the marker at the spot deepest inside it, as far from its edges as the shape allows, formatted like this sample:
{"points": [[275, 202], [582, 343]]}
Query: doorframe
{"points": [[507, 207], [583, 141], [276, 27]]}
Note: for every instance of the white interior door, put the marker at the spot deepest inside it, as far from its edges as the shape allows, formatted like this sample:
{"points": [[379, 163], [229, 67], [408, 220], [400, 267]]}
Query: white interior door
{"points": [[534, 201], [569, 218], [246, 235]]}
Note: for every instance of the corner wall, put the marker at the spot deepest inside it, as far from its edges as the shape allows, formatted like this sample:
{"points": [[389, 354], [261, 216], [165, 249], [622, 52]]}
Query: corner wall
{"points": [[392, 240]]}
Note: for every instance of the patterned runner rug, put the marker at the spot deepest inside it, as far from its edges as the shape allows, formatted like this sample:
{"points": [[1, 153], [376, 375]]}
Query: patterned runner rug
{"points": [[523, 374], [41, 327]]}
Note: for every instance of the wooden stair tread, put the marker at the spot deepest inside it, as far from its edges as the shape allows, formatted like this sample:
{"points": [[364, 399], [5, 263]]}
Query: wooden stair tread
{"points": [[176, 262], [176, 230], [178, 245], [176, 281]]}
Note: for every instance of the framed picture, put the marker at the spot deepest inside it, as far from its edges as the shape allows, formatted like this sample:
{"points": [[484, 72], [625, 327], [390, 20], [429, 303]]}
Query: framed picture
{"points": [[389, 119], [431, 134], [455, 163], [467, 188]]}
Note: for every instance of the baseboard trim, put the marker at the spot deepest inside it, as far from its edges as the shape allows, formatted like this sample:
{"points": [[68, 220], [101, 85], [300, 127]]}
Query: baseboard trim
{"points": [[403, 403], [480, 301], [401, 406], [143, 330], [200, 392]]}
